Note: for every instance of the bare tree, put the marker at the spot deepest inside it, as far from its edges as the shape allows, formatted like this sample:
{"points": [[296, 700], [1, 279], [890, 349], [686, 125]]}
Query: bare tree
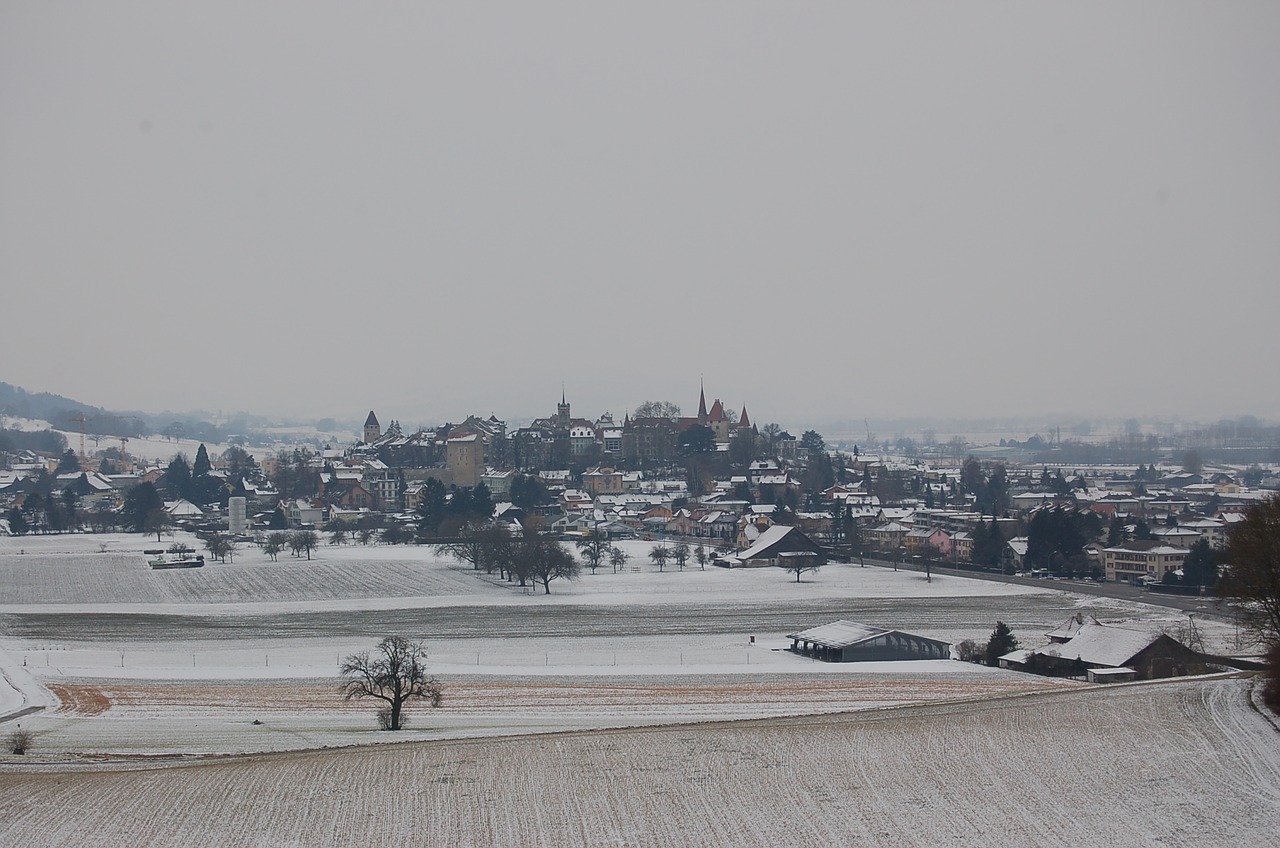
{"points": [[543, 560], [470, 546], [680, 553], [274, 544], [214, 545], [594, 548], [220, 546], [659, 554], [617, 558], [1252, 576], [657, 409], [395, 674], [303, 541], [798, 563]]}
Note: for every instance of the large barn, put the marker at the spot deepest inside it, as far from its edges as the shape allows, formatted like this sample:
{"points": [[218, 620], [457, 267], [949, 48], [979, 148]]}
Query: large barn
{"points": [[848, 641], [1090, 647], [772, 545]]}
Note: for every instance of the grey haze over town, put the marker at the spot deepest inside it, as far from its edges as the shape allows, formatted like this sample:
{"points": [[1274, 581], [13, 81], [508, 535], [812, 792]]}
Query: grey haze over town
{"points": [[828, 212]]}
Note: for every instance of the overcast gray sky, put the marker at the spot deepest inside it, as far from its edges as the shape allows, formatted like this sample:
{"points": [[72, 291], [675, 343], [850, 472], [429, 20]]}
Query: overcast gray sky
{"points": [[825, 209]]}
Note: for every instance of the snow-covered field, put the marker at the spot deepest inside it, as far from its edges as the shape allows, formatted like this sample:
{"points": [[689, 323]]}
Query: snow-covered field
{"points": [[1177, 763], [103, 657]]}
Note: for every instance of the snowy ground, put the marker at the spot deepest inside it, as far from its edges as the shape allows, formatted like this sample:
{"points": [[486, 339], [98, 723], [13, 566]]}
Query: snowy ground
{"points": [[129, 660], [1188, 762], [638, 708]]}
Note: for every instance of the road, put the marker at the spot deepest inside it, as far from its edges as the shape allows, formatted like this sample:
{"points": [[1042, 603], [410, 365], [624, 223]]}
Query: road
{"points": [[1121, 591]]}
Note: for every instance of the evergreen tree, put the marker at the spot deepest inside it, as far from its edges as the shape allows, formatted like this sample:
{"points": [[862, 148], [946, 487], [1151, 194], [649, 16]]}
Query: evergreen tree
{"points": [[432, 509], [1117, 534], [54, 519], [981, 539], [69, 463], [1002, 641], [139, 504], [17, 522], [178, 478], [528, 492], [202, 464], [1200, 568], [988, 544], [1059, 532]]}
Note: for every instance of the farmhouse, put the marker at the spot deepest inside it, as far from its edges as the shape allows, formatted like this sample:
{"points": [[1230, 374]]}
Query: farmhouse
{"points": [[1094, 647], [848, 641], [771, 544]]}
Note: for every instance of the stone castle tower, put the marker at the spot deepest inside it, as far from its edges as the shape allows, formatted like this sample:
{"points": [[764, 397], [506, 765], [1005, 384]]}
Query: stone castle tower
{"points": [[372, 429]]}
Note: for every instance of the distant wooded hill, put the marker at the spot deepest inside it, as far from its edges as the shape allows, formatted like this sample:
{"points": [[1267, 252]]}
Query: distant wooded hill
{"points": [[65, 414]]}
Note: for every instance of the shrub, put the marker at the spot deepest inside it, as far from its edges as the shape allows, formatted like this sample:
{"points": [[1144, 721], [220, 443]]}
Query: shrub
{"points": [[969, 651], [20, 741]]}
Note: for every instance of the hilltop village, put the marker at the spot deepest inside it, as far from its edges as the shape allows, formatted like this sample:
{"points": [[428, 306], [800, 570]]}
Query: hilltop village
{"points": [[715, 479]]}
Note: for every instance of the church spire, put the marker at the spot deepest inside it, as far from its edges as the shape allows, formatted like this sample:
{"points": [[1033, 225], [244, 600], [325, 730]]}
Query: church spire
{"points": [[562, 411], [702, 401]]}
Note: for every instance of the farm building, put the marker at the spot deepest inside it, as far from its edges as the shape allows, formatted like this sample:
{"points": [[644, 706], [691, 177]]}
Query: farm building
{"points": [[848, 641], [1093, 646], [770, 545]]}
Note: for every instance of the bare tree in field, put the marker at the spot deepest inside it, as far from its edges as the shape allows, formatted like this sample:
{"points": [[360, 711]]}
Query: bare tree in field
{"points": [[594, 547], [799, 563], [395, 674], [303, 541], [543, 560], [274, 544], [617, 558]]}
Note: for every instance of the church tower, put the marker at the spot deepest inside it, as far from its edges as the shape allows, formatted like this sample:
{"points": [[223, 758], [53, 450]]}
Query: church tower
{"points": [[562, 410], [372, 429]]}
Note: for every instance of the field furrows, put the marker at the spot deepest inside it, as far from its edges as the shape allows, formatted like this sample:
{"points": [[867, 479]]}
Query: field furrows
{"points": [[85, 700], [1126, 766], [922, 615], [125, 578]]}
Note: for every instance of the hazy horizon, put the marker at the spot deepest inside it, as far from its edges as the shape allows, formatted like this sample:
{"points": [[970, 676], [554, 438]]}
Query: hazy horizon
{"points": [[826, 212]]}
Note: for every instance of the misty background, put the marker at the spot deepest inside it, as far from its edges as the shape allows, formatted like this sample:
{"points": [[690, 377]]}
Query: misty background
{"points": [[825, 211]]}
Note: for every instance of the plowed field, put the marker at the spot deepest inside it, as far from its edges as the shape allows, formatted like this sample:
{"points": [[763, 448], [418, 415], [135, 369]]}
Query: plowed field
{"points": [[1177, 763]]}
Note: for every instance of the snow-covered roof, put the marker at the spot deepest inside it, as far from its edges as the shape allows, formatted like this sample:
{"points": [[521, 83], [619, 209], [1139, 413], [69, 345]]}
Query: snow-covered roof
{"points": [[182, 507], [769, 538], [839, 634], [1069, 628], [1101, 644]]}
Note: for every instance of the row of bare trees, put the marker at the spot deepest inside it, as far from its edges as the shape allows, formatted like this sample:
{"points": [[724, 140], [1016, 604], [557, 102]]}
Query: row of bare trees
{"points": [[525, 557]]}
